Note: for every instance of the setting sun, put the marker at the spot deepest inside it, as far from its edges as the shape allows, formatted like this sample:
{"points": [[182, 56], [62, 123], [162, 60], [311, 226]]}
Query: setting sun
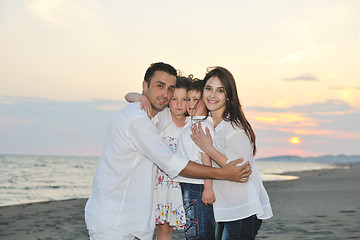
{"points": [[295, 140]]}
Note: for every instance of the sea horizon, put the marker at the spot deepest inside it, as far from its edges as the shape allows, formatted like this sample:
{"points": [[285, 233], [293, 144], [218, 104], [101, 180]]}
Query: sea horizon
{"points": [[34, 178]]}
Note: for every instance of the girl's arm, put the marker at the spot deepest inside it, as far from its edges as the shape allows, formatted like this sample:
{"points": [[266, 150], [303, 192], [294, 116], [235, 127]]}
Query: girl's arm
{"points": [[208, 196], [144, 101], [205, 143]]}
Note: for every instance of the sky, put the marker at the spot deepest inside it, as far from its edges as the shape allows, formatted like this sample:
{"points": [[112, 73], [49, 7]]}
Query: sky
{"points": [[66, 66]]}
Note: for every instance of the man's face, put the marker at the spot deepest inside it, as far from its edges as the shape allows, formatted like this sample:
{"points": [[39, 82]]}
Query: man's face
{"points": [[160, 91]]}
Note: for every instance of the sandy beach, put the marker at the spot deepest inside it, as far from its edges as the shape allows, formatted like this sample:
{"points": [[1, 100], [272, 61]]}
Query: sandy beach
{"points": [[323, 204]]}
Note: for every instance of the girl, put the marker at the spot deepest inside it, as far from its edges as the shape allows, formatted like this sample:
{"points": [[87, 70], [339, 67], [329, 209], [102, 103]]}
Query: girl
{"points": [[198, 195], [169, 209], [240, 207]]}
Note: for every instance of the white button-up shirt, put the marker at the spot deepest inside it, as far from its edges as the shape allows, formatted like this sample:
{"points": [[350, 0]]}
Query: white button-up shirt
{"points": [[234, 200], [123, 183]]}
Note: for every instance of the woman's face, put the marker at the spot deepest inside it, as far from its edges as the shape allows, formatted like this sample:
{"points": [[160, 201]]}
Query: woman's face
{"points": [[215, 96]]}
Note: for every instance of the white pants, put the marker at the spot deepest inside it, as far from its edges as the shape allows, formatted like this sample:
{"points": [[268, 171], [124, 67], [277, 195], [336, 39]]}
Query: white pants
{"points": [[110, 234]]}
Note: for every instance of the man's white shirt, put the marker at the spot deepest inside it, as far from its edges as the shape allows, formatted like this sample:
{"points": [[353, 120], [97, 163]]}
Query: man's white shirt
{"points": [[123, 183]]}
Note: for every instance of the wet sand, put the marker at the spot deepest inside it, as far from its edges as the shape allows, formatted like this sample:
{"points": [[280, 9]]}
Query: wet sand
{"points": [[322, 204]]}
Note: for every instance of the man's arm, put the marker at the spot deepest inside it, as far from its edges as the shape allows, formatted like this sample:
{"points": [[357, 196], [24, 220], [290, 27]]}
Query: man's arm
{"points": [[229, 171], [147, 141]]}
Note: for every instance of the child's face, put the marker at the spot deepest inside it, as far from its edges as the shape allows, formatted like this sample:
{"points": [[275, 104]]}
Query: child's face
{"points": [[178, 102], [195, 106]]}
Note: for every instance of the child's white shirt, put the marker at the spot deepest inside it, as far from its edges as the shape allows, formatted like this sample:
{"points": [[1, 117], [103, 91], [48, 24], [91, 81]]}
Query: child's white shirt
{"points": [[162, 119], [188, 149]]}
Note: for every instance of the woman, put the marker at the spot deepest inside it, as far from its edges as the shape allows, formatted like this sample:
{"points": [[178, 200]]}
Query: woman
{"points": [[239, 207]]}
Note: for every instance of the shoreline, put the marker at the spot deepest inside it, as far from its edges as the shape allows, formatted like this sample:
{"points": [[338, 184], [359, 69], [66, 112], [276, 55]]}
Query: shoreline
{"points": [[321, 204]]}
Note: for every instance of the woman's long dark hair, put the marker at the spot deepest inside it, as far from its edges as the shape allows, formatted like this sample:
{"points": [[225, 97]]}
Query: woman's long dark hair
{"points": [[233, 110]]}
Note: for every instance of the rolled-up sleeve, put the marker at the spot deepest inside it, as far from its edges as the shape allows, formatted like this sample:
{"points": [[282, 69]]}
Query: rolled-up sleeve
{"points": [[143, 136]]}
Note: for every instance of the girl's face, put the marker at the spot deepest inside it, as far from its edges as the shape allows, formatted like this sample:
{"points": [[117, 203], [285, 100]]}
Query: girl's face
{"points": [[178, 102], [214, 96]]}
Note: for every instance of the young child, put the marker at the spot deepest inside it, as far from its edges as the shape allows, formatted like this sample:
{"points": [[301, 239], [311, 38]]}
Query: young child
{"points": [[169, 209], [198, 195]]}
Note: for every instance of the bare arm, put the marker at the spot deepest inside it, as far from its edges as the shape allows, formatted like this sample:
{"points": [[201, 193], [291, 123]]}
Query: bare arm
{"points": [[208, 196], [205, 143], [144, 101], [229, 171]]}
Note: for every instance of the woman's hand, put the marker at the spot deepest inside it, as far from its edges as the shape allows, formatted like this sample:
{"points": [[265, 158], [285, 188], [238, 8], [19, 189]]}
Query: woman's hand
{"points": [[201, 139]]}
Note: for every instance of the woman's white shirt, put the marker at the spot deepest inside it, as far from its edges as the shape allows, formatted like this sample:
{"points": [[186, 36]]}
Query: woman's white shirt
{"points": [[236, 201]]}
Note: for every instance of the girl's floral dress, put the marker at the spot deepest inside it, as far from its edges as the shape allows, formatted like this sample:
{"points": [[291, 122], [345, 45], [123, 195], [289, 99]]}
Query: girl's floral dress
{"points": [[168, 201]]}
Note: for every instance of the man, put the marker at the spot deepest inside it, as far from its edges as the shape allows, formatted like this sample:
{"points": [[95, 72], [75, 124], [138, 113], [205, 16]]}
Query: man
{"points": [[120, 206]]}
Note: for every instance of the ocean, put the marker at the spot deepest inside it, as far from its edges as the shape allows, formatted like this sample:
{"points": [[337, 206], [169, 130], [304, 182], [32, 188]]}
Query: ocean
{"points": [[31, 178]]}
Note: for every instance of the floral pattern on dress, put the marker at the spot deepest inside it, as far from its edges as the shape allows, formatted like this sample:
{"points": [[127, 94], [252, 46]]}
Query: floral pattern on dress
{"points": [[169, 205], [172, 142]]}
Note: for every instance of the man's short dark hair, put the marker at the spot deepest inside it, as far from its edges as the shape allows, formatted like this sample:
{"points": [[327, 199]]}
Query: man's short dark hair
{"points": [[159, 66]]}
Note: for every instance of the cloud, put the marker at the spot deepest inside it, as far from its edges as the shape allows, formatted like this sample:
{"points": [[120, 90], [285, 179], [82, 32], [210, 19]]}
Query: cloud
{"points": [[329, 133], [35, 125], [5, 101], [63, 11], [331, 106], [298, 55], [15, 99], [46, 9], [110, 105], [323, 125], [282, 119], [6, 122], [82, 16], [305, 78], [343, 88]]}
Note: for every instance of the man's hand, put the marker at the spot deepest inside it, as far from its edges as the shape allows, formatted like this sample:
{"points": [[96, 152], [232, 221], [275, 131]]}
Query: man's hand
{"points": [[235, 173]]}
